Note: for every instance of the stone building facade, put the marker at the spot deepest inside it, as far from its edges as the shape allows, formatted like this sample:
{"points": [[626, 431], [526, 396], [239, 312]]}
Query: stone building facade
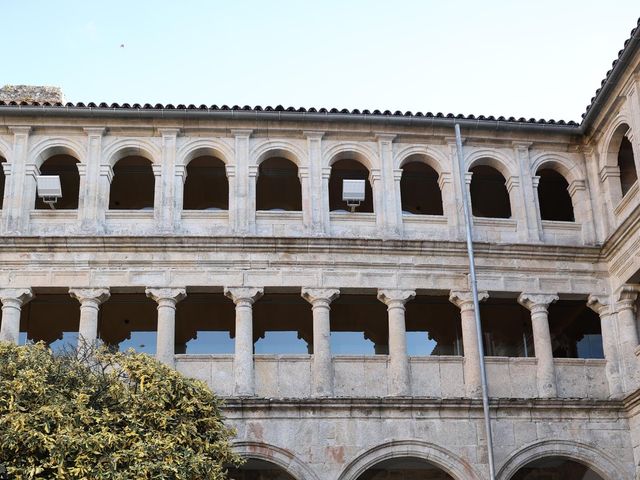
{"points": [[344, 342]]}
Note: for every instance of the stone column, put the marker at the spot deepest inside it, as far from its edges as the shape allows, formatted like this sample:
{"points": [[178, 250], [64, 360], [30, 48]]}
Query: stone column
{"points": [[307, 208], [472, 377], [582, 209], [628, 332], [320, 299], [242, 210], [89, 198], [90, 300], [399, 374], [168, 180], [389, 197], [244, 298], [167, 299], [375, 179], [18, 191], [531, 216], [326, 212], [12, 301], [519, 211], [452, 200], [316, 194], [602, 306], [538, 305]]}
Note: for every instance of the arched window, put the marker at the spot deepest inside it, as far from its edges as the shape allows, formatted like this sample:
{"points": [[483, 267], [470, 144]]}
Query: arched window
{"points": [[278, 186], [555, 467], [489, 195], [419, 190], [2, 181], [406, 468], [133, 185], [627, 166], [65, 166], [254, 469], [206, 186], [348, 169], [553, 196]]}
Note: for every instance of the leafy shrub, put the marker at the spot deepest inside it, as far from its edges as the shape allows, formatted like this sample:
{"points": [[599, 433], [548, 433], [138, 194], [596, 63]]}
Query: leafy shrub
{"points": [[104, 415]]}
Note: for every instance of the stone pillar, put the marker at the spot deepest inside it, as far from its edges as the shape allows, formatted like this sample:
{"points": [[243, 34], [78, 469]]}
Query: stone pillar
{"points": [[17, 208], [582, 210], [399, 374], [105, 179], [12, 301], [233, 200], [167, 179], [628, 333], [472, 377], [375, 179], [326, 213], [244, 298], [519, 211], [316, 193], [307, 208], [167, 299], [452, 201], [320, 299], [89, 198], [90, 300], [158, 215], [602, 306], [528, 194], [538, 305], [242, 210], [389, 197]]}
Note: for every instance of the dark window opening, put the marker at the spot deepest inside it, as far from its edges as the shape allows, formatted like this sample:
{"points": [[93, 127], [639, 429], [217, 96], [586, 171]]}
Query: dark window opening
{"points": [[282, 324], [129, 321], [419, 190], [627, 166], [433, 327], [66, 168], [506, 328], [555, 468], [258, 470], [205, 324], [50, 318], [553, 197], [575, 330], [489, 195], [206, 186], [407, 468], [133, 185], [278, 186], [2, 181], [349, 170], [359, 326]]}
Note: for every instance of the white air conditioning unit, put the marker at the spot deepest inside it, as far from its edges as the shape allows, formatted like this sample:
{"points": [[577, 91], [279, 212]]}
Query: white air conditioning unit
{"points": [[353, 193], [49, 189]]}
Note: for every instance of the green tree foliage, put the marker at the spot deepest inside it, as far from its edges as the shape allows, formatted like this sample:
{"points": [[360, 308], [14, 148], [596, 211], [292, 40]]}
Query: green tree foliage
{"points": [[104, 415]]}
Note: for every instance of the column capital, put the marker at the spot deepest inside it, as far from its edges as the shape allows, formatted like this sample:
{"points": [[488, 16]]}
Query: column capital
{"points": [[536, 302], [169, 132], [395, 298], [599, 304], [19, 129], [626, 297], [15, 296], [244, 295], [313, 135], [165, 296], [95, 131], [463, 299], [385, 137], [320, 296], [94, 296], [241, 133]]}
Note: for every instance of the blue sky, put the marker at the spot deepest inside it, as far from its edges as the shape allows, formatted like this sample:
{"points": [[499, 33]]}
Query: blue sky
{"points": [[537, 58]]}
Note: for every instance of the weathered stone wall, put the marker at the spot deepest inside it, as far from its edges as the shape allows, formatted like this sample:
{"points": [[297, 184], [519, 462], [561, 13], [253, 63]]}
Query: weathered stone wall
{"points": [[31, 93]]}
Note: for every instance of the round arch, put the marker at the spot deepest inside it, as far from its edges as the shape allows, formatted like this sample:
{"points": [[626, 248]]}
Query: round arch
{"points": [[279, 148], [438, 456], [420, 153], [565, 167], [276, 455], [590, 456], [620, 127], [203, 147], [131, 148], [51, 147], [494, 159], [351, 150]]}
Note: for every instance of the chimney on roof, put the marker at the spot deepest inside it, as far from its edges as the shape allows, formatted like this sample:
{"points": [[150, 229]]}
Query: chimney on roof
{"points": [[31, 93]]}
